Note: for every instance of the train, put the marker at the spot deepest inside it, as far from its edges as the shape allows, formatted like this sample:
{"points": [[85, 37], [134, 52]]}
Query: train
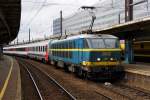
{"points": [[86, 55], [141, 51]]}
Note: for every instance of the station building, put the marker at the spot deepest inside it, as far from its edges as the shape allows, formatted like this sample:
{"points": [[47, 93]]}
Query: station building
{"points": [[108, 13], [56, 26]]}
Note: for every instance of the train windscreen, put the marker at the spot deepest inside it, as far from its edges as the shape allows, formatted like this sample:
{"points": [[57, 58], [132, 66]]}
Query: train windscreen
{"points": [[103, 43]]}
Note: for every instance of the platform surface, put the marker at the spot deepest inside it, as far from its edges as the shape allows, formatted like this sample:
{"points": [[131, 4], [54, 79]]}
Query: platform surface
{"points": [[10, 82], [138, 68]]}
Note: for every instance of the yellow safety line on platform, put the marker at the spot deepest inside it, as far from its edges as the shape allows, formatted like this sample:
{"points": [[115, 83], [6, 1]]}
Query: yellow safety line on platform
{"points": [[6, 81]]}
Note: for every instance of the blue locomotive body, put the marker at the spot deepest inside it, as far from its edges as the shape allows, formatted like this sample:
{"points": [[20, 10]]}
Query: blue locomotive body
{"points": [[88, 55]]}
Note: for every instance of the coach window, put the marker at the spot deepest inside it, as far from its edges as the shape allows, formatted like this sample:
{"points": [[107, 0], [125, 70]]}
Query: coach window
{"points": [[46, 48]]}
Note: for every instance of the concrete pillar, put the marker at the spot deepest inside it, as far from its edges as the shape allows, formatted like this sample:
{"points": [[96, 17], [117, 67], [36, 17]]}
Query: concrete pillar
{"points": [[129, 54]]}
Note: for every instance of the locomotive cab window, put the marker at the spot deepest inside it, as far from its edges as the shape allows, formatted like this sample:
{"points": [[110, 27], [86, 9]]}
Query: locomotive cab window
{"points": [[103, 43]]}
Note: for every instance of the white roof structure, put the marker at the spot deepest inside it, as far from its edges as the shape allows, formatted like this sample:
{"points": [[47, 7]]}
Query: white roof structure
{"points": [[108, 13], [41, 43]]}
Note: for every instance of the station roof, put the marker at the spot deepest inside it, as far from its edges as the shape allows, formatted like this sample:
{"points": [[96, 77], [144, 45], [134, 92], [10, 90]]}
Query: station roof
{"points": [[10, 13], [139, 29]]}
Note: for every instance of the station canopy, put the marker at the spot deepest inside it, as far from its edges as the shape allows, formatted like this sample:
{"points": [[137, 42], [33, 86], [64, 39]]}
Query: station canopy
{"points": [[10, 14]]}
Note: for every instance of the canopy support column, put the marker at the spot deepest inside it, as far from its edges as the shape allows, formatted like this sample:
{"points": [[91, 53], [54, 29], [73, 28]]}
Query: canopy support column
{"points": [[129, 53]]}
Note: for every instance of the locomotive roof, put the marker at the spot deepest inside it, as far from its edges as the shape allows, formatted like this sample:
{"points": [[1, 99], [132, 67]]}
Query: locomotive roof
{"points": [[86, 36], [91, 36]]}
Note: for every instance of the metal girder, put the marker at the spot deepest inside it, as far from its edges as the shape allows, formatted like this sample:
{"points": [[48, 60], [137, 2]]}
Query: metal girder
{"points": [[128, 10]]}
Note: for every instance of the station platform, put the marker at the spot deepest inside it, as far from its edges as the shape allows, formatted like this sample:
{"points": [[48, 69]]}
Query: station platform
{"points": [[137, 75], [138, 68], [10, 82]]}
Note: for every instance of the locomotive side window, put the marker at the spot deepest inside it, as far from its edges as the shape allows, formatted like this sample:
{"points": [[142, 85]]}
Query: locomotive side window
{"points": [[85, 44]]}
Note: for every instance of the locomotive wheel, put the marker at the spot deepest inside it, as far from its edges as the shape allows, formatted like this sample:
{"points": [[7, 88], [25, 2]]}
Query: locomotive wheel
{"points": [[85, 74], [66, 68], [79, 72]]}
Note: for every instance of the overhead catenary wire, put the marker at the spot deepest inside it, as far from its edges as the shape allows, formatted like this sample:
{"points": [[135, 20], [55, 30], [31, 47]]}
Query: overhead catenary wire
{"points": [[38, 11]]}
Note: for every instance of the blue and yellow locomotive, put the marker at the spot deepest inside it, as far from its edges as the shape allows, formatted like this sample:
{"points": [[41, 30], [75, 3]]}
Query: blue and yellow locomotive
{"points": [[87, 55]]}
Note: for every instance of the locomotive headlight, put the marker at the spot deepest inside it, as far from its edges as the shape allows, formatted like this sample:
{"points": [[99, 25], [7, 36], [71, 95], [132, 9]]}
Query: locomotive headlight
{"points": [[84, 63], [98, 59], [111, 59]]}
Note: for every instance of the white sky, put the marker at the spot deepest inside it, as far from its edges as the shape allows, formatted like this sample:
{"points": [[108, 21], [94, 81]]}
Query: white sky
{"points": [[41, 23]]}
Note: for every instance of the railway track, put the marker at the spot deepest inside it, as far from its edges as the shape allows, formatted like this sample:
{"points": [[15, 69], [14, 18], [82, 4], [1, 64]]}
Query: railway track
{"points": [[33, 81], [52, 89], [132, 92], [125, 92], [79, 94], [108, 92]]}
